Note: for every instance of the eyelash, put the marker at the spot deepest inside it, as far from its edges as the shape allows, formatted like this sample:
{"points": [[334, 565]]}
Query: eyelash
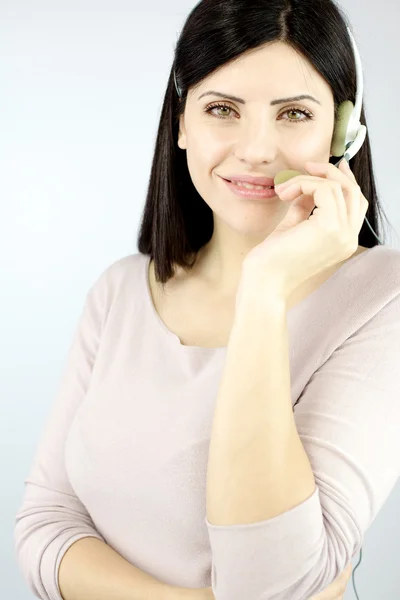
{"points": [[308, 115]]}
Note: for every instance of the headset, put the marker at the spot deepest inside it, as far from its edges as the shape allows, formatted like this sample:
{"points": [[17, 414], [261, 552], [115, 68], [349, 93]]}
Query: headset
{"points": [[348, 136]]}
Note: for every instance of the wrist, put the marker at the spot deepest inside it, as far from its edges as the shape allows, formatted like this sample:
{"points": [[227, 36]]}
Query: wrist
{"points": [[251, 296], [261, 282]]}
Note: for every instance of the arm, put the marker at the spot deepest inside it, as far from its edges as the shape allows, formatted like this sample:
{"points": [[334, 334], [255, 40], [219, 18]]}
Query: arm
{"points": [[256, 458], [62, 554], [337, 588], [255, 443], [92, 570], [52, 517]]}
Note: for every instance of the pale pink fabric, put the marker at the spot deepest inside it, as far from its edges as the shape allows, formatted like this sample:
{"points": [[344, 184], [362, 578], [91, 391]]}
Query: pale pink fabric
{"points": [[124, 453]]}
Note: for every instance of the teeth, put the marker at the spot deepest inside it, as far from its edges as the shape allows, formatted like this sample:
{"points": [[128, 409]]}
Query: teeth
{"points": [[250, 186]]}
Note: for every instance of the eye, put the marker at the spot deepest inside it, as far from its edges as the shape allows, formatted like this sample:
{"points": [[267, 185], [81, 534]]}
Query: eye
{"points": [[293, 109], [307, 115]]}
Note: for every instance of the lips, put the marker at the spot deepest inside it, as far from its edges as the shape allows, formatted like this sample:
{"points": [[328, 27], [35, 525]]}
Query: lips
{"points": [[267, 187], [254, 193], [265, 181]]}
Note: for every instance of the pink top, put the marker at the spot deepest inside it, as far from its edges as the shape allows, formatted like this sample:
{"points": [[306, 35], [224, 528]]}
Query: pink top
{"points": [[124, 454]]}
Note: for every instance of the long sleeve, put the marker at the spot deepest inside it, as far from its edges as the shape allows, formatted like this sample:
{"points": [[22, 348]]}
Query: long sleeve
{"points": [[348, 418], [52, 517], [133, 419]]}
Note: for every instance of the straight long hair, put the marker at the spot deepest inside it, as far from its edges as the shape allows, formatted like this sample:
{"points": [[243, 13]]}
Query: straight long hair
{"points": [[176, 221]]}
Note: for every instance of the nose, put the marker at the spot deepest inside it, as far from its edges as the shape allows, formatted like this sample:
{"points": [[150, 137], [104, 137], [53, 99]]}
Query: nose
{"points": [[257, 142]]}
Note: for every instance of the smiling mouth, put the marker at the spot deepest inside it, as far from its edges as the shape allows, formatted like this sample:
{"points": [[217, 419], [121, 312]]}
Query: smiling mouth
{"points": [[251, 186]]}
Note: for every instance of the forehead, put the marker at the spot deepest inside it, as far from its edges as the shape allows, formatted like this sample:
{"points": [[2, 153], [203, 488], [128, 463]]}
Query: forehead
{"points": [[270, 71]]}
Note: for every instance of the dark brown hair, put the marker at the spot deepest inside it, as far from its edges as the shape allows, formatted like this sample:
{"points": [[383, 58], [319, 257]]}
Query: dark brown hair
{"points": [[176, 222]]}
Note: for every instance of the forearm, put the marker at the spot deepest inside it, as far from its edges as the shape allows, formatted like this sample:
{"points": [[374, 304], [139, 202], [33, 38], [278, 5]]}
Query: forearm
{"points": [[92, 570], [257, 466]]}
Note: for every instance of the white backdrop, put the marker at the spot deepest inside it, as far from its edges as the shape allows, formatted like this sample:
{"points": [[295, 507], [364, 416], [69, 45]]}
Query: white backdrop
{"points": [[81, 88]]}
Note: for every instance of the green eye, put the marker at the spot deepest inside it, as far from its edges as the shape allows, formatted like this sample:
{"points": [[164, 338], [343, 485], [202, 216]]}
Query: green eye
{"points": [[307, 115]]}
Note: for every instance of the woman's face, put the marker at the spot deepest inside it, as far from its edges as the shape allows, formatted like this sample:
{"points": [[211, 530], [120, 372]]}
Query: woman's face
{"points": [[258, 136]]}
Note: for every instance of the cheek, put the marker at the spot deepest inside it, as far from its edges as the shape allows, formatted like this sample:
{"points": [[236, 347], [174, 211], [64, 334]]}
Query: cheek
{"points": [[199, 166], [206, 152], [317, 144]]}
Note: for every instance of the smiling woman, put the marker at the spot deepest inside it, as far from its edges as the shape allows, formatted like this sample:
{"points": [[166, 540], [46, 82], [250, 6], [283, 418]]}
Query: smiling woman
{"points": [[246, 109], [186, 437], [238, 108]]}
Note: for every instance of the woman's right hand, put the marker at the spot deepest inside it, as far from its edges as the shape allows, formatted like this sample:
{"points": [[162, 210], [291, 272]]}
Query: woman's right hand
{"points": [[337, 588], [334, 591]]}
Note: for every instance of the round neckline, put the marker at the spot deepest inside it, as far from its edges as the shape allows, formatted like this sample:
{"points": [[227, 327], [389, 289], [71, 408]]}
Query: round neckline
{"points": [[160, 323], [291, 311]]}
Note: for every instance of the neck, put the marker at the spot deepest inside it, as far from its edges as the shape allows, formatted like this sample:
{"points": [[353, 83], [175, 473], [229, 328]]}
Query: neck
{"points": [[220, 268]]}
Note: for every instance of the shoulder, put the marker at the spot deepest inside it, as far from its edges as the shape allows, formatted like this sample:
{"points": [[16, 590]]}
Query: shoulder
{"points": [[122, 268], [382, 263], [121, 273], [368, 294]]}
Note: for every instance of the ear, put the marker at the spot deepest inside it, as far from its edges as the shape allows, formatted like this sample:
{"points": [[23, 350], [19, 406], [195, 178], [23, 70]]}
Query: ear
{"points": [[182, 133]]}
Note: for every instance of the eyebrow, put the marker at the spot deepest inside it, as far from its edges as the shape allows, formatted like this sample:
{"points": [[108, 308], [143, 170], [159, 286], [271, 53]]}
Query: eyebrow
{"points": [[278, 101]]}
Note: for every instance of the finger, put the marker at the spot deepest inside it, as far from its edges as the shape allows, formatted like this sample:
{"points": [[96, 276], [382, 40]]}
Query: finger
{"points": [[282, 187], [356, 219], [342, 174], [344, 578], [348, 192], [348, 571], [349, 186], [345, 168], [327, 196], [285, 184], [350, 189]]}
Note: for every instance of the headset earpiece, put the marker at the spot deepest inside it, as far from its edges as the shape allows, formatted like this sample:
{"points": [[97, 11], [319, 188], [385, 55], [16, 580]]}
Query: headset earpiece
{"points": [[338, 145]]}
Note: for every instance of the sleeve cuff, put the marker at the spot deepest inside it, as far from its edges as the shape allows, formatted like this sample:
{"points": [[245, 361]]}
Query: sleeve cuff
{"points": [[52, 557], [261, 559]]}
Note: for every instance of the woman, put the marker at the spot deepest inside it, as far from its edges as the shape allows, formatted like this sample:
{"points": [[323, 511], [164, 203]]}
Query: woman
{"points": [[115, 504]]}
